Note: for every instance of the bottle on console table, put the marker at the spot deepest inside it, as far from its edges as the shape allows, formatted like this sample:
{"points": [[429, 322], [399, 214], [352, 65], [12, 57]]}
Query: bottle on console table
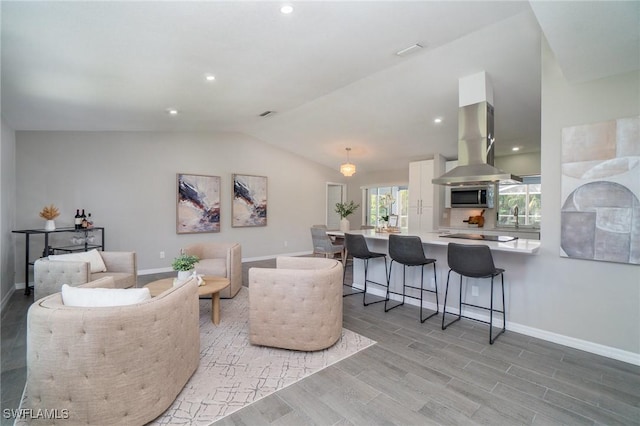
{"points": [[77, 220]]}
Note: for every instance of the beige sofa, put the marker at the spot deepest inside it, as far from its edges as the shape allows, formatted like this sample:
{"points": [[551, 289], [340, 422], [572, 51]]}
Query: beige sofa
{"points": [[111, 365], [222, 260], [296, 306], [49, 275]]}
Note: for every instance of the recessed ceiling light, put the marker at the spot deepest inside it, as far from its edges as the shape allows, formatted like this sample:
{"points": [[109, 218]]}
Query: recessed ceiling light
{"points": [[210, 77], [172, 111], [286, 9], [515, 148], [437, 120]]}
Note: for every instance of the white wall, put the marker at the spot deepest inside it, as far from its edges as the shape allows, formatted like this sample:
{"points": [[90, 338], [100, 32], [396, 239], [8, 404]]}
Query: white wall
{"points": [[7, 211], [526, 164], [127, 180], [594, 301]]}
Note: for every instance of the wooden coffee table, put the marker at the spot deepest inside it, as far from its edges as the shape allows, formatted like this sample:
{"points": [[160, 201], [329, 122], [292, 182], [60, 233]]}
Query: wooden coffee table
{"points": [[212, 286]]}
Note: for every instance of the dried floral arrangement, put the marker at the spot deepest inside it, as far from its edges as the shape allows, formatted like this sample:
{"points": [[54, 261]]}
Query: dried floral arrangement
{"points": [[50, 212]]}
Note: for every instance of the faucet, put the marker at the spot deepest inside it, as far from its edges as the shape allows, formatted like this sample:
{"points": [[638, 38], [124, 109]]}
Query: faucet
{"points": [[515, 214]]}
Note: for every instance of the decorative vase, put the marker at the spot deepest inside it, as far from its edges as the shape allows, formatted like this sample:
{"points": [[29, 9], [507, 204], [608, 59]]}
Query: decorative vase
{"points": [[344, 224], [183, 275], [50, 225]]}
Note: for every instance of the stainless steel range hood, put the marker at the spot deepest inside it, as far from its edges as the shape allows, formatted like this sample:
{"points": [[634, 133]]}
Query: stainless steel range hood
{"points": [[475, 147]]}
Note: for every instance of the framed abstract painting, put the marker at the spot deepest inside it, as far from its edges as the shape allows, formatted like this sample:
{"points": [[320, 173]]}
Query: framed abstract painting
{"points": [[198, 204], [249, 206], [601, 191]]}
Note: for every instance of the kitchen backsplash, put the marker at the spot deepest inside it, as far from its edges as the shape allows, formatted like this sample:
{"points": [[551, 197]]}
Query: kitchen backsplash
{"points": [[457, 216]]}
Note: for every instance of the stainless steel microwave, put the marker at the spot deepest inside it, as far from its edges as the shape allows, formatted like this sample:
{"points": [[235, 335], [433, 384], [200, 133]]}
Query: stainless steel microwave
{"points": [[470, 197]]}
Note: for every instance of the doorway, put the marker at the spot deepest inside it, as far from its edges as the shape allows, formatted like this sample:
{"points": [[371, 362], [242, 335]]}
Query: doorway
{"points": [[336, 193]]}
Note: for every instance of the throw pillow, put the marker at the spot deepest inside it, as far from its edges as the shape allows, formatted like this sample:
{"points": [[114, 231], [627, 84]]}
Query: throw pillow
{"points": [[91, 256], [99, 297]]}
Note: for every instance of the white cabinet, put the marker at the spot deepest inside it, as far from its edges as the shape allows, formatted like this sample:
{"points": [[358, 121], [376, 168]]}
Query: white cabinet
{"points": [[421, 196], [448, 166]]}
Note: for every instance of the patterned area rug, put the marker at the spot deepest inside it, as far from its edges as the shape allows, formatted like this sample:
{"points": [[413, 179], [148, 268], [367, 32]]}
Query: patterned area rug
{"points": [[233, 374]]}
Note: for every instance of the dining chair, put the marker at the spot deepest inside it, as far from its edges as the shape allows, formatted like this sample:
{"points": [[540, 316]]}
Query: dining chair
{"points": [[322, 244]]}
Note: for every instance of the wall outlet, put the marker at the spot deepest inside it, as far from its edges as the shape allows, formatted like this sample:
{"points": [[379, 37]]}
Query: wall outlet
{"points": [[286, 243], [474, 290], [161, 255]]}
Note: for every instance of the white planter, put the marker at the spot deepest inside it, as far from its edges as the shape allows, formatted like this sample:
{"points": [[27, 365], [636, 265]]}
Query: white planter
{"points": [[344, 224], [49, 225], [183, 275]]}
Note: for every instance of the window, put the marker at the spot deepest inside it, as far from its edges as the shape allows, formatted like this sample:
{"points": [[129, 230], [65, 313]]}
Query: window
{"points": [[384, 201], [527, 196]]}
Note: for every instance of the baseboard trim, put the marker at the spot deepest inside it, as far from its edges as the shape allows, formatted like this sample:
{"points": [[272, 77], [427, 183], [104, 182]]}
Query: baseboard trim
{"points": [[572, 342], [6, 298]]}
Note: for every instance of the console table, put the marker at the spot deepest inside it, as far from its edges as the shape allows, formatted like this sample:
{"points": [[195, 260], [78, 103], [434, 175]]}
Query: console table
{"points": [[86, 246]]}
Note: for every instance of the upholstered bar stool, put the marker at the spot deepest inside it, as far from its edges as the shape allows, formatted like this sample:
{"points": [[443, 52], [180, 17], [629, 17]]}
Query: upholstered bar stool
{"points": [[473, 261], [409, 252], [358, 249]]}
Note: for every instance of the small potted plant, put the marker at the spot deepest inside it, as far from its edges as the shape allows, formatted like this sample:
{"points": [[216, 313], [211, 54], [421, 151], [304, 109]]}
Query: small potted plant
{"points": [[184, 265], [49, 213], [345, 210]]}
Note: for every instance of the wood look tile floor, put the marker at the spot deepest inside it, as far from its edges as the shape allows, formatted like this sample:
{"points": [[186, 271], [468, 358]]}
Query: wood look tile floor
{"points": [[417, 374]]}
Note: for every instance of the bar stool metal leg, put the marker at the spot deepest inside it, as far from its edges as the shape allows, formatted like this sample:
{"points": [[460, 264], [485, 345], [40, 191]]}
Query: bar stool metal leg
{"points": [[344, 277], [387, 299], [421, 288], [366, 280], [504, 315]]}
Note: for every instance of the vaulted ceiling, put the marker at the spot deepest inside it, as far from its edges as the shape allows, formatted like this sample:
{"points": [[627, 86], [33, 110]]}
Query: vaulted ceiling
{"points": [[329, 70]]}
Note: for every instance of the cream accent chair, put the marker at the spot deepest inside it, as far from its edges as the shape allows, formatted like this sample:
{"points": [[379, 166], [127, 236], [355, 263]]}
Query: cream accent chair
{"points": [[296, 306], [111, 365], [222, 260], [49, 275]]}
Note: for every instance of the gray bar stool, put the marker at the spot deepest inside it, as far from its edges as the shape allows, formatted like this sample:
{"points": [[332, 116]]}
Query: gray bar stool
{"points": [[358, 249], [408, 251], [474, 261]]}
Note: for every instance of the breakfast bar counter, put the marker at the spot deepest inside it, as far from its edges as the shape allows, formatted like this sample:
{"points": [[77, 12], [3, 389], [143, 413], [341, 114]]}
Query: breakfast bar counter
{"points": [[519, 245]]}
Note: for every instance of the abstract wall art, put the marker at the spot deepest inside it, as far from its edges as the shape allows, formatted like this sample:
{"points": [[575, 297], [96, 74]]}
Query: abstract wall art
{"points": [[198, 204], [600, 217], [249, 206]]}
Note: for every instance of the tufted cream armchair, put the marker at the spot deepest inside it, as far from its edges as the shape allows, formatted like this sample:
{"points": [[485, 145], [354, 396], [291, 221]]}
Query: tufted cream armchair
{"points": [[296, 306], [111, 365], [49, 275], [222, 260]]}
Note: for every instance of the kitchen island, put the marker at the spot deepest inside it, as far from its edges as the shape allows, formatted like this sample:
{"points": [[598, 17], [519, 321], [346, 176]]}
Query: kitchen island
{"points": [[512, 256]]}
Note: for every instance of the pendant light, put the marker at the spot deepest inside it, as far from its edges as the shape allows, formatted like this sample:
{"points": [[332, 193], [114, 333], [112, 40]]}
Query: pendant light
{"points": [[347, 168]]}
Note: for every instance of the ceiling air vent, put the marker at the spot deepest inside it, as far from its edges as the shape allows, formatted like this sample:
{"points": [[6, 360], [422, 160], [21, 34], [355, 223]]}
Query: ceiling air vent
{"points": [[267, 113]]}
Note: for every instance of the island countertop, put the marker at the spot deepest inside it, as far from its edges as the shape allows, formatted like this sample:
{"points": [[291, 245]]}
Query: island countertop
{"points": [[520, 245]]}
